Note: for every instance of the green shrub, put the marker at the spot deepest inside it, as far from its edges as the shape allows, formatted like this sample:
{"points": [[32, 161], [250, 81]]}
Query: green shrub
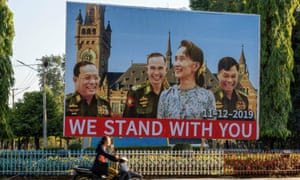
{"points": [[90, 149], [182, 146], [75, 146], [53, 148]]}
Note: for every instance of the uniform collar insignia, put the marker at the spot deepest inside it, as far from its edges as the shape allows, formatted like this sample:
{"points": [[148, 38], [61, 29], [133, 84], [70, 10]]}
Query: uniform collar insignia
{"points": [[240, 105]]}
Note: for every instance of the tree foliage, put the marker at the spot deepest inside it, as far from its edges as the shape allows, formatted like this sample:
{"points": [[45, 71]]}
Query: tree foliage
{"points": [[219, 5], [6, 70], [54, 75], [277, 21], [294, 119], [28, 121]]}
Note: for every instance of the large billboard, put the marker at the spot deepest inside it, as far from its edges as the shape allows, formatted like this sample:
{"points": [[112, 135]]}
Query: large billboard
{"points": [[143, 72]]}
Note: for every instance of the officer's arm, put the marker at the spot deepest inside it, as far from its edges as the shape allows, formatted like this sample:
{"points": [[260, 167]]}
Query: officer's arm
{"points": [[129, 110], [107, 155]]}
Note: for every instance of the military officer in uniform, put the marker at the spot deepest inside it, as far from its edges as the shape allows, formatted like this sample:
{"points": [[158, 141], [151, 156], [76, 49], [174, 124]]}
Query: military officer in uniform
{"points": [[226, 95], [84, 101], [142, 100]]}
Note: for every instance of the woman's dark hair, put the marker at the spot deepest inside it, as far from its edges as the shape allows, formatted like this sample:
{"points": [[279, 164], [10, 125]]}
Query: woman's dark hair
{"points": [[196, 54], [101, 142]]}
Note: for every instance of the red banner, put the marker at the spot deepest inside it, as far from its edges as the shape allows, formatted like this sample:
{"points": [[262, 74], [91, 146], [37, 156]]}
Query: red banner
{"points": [[148, 127]]}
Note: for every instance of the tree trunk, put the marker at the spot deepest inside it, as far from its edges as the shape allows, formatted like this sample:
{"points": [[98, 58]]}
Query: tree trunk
{"points": [[60, 142], [19, 143], [37, 143], [67, 142], [7, 144], [12, 144], [26, 143]]}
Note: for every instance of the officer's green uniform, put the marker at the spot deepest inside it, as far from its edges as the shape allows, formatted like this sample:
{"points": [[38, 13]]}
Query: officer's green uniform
{"points": [[142, 101], [237, 101], [77, 106]]}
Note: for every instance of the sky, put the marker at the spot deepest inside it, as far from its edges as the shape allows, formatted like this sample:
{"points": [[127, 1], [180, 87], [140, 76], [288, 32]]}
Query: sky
{"points": [[136, 32], [40, 30]]}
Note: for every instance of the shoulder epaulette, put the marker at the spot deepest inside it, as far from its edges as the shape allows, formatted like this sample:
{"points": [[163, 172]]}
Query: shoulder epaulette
{"points": [[74, 97], [100, 98], [218, 93], [68, 96], [239, 95], [138, 86]]}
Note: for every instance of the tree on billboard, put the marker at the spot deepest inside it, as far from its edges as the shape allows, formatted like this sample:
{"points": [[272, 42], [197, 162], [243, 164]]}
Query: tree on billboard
{"points": [[276, 58], [28, 121], [6, 70]]}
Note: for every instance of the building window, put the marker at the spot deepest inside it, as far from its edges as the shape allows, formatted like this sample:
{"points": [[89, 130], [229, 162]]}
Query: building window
{"points": [[122, 107], [115, 107], [87, 42], [82, 31], [94, 31], [89, 31], [93, 42]]}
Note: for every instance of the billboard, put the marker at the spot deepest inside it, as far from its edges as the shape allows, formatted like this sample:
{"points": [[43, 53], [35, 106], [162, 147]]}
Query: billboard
{"points": [[143, 72]]}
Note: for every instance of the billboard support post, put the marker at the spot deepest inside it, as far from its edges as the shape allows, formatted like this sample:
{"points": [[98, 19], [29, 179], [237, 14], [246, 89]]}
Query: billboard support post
{"points": [[45, 64]]}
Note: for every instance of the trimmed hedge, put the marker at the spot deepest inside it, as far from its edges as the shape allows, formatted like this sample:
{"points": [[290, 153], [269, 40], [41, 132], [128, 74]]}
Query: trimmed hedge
{"points": [[183, 146], [74, 146]]}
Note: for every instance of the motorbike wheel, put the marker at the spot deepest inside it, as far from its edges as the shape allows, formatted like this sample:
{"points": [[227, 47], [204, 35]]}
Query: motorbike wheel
{"points": [[79, 177], [135, 178]]}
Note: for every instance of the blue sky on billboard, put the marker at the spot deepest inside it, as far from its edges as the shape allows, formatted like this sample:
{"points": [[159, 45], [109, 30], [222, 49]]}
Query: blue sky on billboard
{"points": [[136, 32], [40, 31]]}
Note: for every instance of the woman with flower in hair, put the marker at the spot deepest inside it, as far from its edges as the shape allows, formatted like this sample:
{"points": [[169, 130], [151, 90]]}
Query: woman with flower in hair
{"points": [[188, 99]]}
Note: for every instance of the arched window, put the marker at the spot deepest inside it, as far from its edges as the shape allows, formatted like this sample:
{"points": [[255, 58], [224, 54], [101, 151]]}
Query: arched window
{"points": [[94, 31], [88, 31], [82, 31]]}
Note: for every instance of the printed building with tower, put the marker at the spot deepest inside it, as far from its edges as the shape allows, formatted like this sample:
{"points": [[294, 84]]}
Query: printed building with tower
{"points": [[93, 43]]}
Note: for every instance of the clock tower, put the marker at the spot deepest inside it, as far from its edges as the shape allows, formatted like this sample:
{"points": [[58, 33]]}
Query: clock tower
{"points": [[93, 40]]}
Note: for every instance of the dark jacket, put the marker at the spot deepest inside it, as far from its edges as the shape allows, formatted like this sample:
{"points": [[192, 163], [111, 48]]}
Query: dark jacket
{"points": [[76, 105], [142, 101], [101, 168]]}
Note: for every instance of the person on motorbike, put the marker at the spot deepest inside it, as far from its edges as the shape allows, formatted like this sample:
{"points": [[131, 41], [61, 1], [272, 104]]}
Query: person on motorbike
{"points": [[100, 166]]}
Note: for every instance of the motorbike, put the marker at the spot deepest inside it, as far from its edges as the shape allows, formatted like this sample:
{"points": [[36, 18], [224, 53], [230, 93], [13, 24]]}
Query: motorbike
{"points": [[85, 173]]}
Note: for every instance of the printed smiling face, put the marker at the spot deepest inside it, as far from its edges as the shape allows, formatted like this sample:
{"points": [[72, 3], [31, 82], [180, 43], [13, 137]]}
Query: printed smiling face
{"points": [[156, 70], [184, 66], [228, 79], [87, 82]]}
